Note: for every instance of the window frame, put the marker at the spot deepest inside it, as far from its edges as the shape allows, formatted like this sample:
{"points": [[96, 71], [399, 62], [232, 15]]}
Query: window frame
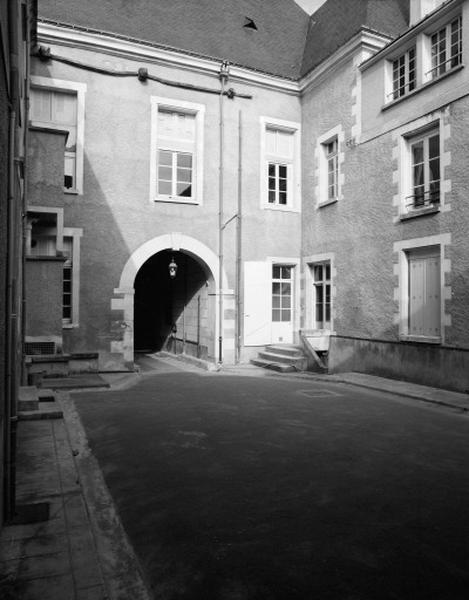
{"points": [[431, 75], [420, 246], [61, 85], [323, 162], [75, 233], [421, 128], [323, 283], [293, 165], [410, 84], [182, 107]]}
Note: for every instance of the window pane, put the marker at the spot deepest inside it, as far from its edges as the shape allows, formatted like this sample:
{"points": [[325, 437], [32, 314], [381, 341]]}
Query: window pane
{"points": [[319, 294], [286, 272], [434, 146], [276, 272], [184, 160], [417, 153], [272, 184], [282, 198], [276, 315], [165, 157], [271, 197], [183, 189], [275, 301], [276, 288], [282, 171], [165, 173], [434, 167], [328, 271], [164, 188], [271, 170], [286, 316], [184, 175], [318, 273], [67, 287], [286, 302], [285, 288]]}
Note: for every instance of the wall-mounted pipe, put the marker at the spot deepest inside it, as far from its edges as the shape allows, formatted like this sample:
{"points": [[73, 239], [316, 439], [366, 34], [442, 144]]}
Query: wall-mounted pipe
{"points": [[142, 74]]}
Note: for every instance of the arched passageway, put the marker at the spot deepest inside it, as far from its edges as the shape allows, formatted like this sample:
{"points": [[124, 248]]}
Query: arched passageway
{"points": [[175, 314]]}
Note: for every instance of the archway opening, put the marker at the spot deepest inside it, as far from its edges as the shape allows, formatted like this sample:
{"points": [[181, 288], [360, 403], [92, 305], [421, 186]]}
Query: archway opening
{"points": [[174, 314]]}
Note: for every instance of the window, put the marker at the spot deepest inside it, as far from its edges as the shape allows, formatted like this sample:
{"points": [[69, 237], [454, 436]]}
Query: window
{"points": [[282, 293], [177, 151], [403, 74], [57, 104], [446, 48], [280, 165], [332, 156], [279, 148], [278, 183], [329, 156], [322, 295], [176, 137], [58, 109], [424, 309], [425, 170], [67, 280]]}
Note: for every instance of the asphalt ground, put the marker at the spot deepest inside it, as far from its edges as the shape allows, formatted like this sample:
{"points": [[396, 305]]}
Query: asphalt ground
{"points": [[245, 488]]}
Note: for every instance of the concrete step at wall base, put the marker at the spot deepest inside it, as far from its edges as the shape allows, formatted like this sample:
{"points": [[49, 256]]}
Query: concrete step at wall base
{"points": [[28, 398], [275, 366], [286, 350], [296, 361]]}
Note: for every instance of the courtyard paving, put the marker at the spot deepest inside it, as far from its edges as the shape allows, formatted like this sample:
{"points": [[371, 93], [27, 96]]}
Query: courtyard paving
{"points": [[250, 488]]}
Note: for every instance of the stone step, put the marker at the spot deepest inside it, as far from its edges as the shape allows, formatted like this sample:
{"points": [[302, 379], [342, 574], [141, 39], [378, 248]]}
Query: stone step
{"points": [[296, 361], [286, 350], [275, 366], [28, 398]]}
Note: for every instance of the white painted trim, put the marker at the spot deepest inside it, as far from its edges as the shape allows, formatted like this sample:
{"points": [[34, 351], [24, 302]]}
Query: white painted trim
{"points": [[401, 271], [290, 262], [198, 172], [294, 128], [403, 176], [80, 89], [59, 212], [308, 262], [321, 166], [75, 233]]}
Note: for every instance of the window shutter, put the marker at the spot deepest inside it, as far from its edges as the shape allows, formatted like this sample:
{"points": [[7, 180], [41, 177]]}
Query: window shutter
{"points": [[257, 303]]}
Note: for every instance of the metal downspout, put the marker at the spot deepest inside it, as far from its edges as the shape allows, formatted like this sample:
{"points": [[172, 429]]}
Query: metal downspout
{"points": [[224, 73], [239, 223], [11, 317]]}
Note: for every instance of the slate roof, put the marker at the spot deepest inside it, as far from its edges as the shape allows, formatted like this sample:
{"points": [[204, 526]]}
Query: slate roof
{"points": [[337, 21], [286, 43], [212, 28]]}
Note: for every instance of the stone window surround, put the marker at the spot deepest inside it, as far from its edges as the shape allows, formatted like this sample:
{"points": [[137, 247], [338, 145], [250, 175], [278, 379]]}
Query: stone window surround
{"points": [[401, 272], [198, 160], [80, 90], [402, 169], [294, 202], [322, 166]]}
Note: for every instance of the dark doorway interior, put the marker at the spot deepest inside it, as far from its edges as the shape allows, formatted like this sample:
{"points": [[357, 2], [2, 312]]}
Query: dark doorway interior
{"points": [[172, 314]]}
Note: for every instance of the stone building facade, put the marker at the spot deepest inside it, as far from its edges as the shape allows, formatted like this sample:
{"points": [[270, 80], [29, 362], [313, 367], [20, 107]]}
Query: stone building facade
{"points": [[295, 188]]}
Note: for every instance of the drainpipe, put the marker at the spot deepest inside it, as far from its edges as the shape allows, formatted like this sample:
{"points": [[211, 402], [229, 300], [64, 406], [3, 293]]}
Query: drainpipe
{"points": [[239, 224], [11, 316], [223, 75]]}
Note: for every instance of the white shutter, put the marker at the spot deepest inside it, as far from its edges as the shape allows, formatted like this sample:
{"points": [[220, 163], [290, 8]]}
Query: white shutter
{"points": [[41, 102], [257, 303], [424, 296]]}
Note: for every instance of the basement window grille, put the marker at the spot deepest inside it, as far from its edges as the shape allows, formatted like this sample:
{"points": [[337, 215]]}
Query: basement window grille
{"points": [[39, 348]]}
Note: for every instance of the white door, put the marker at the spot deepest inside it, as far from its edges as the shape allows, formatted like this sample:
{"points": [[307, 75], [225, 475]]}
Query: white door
{"points": [[282, 303], [257, 306]]}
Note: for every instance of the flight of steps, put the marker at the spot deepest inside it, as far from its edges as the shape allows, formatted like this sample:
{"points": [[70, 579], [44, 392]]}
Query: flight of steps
{"points": [[284, 358], [35, 404]]}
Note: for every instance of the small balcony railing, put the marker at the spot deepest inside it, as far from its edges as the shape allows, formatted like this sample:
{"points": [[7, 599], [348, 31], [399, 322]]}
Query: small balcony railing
{"points": [[427, 199]]}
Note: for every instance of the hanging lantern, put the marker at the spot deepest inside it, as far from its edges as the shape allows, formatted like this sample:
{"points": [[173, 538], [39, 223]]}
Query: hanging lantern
{"points": [[172, 268]]}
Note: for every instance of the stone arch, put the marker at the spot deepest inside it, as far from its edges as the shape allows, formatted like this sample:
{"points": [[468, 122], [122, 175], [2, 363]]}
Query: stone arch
{"points": [[122, 304]]}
